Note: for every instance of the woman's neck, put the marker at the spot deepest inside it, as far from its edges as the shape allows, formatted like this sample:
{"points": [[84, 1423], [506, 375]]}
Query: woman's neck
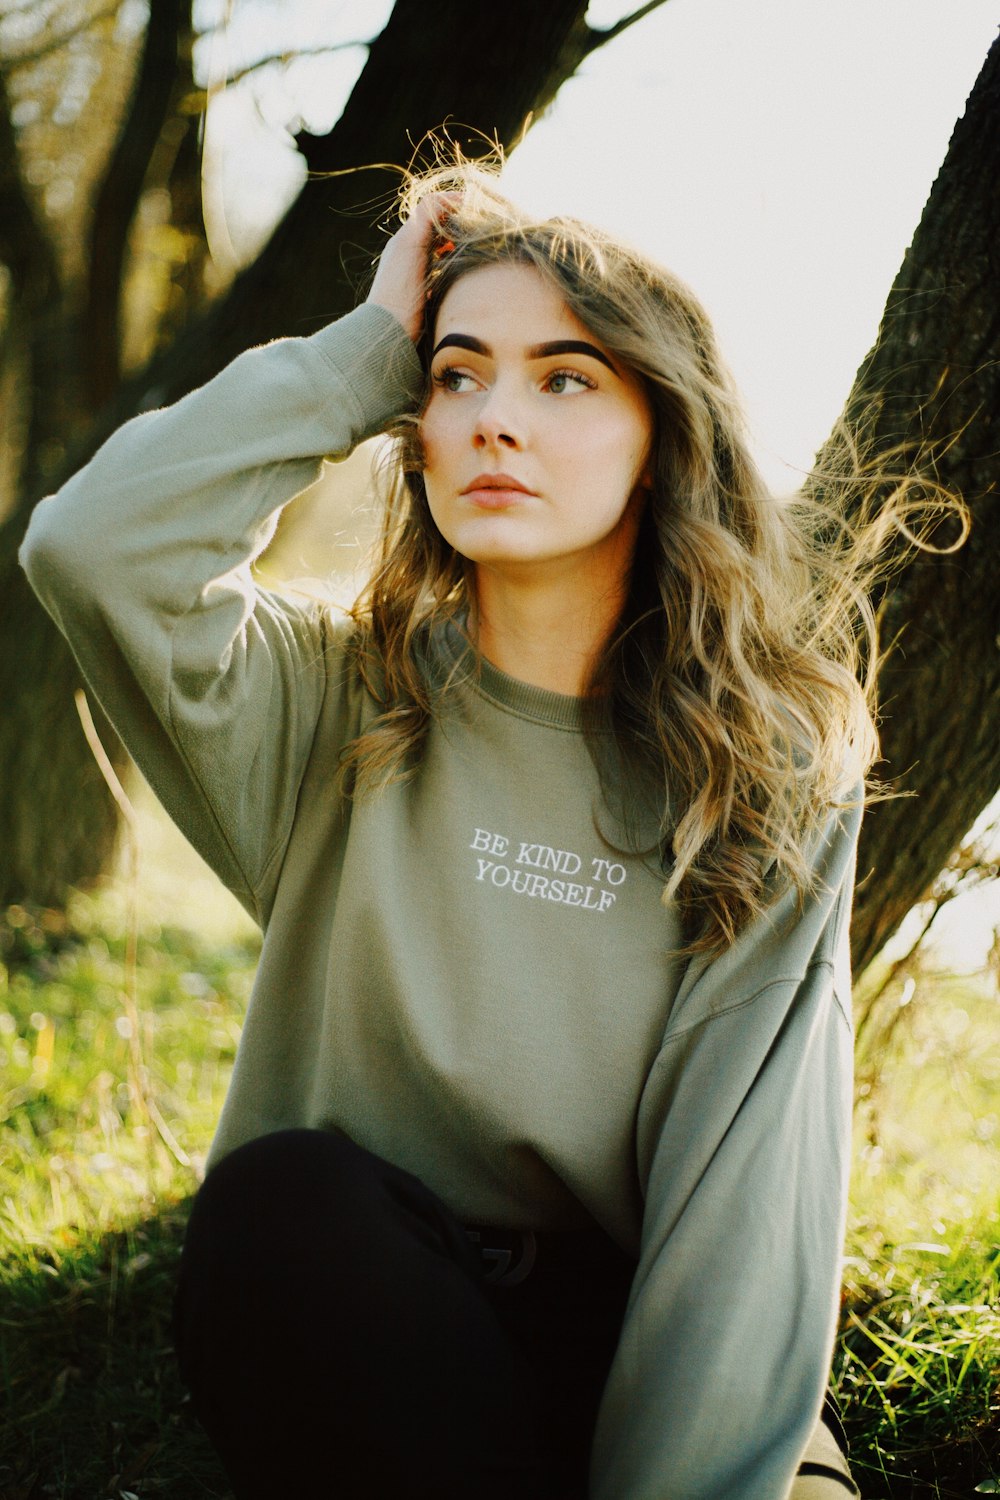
{"points": [[549, 634]]}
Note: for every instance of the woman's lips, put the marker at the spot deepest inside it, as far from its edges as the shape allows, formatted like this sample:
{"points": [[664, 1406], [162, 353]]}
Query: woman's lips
{"points": [[495, 491]]}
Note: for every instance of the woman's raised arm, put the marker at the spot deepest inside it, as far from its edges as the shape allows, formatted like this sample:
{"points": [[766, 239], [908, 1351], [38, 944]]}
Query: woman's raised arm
{"points": [[143, 560]]}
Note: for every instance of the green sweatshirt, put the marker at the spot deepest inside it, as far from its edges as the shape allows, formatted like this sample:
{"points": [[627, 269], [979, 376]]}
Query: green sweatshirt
{"points": [[465, 973]]}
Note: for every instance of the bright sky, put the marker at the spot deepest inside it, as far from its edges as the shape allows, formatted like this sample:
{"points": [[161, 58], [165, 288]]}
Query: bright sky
{"points": [[775, 153]]}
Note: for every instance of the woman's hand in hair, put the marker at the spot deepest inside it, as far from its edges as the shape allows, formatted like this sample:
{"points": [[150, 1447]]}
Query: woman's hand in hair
{"points": [[401, 275]]}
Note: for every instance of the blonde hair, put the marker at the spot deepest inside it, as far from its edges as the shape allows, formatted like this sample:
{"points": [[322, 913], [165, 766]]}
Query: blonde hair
{"points": [[740, 677]]}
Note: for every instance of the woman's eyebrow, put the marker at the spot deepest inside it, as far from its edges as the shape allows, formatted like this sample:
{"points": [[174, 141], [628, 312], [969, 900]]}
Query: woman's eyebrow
{"points": [[570, 346], [462, 341], [537, 351]]}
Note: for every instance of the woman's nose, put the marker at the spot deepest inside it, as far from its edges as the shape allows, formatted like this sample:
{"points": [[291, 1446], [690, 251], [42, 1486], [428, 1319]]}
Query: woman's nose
{"points": [[497, 423]]}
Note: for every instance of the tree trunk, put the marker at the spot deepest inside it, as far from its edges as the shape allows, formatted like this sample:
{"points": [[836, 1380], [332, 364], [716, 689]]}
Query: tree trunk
{"points": [[54, 816], [935, 375], [57, 820], [116, 202]]}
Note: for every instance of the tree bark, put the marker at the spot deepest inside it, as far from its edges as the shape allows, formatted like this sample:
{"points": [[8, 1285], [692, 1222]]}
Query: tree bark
{"points": [[934, 376], [54, 814], [57, 821]]}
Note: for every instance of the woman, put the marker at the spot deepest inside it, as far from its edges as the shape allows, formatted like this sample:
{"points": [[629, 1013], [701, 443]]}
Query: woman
{"points": [[536, 1149]]}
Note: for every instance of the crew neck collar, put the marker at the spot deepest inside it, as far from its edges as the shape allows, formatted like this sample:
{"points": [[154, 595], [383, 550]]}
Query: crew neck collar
{"points": [[539, 705]]}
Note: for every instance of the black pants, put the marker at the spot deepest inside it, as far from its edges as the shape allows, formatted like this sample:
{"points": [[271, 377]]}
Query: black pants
{"points": [[343, 1336]]}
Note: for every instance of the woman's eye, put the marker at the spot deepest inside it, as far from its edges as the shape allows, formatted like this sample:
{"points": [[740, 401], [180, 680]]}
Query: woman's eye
{"points": [[455, 381], [563, 382]]}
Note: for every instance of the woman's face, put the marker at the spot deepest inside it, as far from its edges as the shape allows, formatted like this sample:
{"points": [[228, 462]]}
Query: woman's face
{"points": [[535, 438]]}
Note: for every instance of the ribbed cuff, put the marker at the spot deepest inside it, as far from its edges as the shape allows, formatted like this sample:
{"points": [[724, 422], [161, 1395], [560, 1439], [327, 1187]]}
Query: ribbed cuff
{"points": [[377, 363]]}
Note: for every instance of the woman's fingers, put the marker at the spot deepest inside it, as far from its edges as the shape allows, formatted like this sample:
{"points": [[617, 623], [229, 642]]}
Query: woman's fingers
{"points": [[402, 269]]}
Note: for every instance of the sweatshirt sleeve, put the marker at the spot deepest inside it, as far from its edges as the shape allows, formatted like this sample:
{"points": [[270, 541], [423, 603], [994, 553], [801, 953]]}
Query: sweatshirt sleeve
{"points": [[743, 1139], [143, 560]]}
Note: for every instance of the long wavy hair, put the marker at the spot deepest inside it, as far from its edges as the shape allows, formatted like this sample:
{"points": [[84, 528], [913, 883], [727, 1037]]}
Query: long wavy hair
{"points": [[739, 680]]}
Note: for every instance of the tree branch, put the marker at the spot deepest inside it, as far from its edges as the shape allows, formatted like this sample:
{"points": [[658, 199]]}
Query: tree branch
{"points": [[118, 197], [579, 42], [599, 38], [201, 96]]}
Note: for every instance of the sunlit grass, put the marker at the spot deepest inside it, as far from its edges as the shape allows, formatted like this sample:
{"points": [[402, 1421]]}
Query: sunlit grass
{"points": [[919, 1355], [96, 1127], [113, 1073]]}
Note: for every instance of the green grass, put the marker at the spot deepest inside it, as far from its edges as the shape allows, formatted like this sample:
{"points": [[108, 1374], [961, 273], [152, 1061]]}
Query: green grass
{"points": [[118, 1031], [117, 1035], [918, 1361]]}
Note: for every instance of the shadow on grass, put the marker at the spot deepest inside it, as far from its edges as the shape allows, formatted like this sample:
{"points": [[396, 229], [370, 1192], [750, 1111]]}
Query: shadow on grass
{"points": [[919, 1435], [93, 1403], [950, 1470], [94, 1408]]}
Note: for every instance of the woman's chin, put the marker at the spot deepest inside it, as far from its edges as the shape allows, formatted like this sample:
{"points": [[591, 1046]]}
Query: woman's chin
{"points": [[497, 541]]}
